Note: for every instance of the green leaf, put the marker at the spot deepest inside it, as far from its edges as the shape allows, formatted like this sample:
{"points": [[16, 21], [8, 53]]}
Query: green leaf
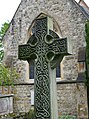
{"points": [[4, 28], [2, 32], [87, 52], [7, 75]]}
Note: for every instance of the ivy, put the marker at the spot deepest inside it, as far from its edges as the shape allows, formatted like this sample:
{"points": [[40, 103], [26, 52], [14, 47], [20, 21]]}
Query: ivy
{"points": [[87, 52]]}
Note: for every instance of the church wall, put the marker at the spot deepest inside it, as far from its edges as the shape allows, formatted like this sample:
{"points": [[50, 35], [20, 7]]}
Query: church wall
{"points": [[72, 99], [70, 20], [22, 99]]}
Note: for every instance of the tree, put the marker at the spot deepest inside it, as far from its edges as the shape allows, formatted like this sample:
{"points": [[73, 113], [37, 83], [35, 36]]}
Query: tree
{"points": [[1, 51], [6, 74], [87, 52], [2, 32]]}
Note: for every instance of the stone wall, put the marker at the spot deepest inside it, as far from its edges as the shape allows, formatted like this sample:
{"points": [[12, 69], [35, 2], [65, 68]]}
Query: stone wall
{"points": [[72, 99], [22, 98]]}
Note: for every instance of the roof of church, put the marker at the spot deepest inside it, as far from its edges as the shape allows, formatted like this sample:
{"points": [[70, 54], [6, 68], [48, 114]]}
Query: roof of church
{"points": [[83, 3], [85, 11], [83, 7]]}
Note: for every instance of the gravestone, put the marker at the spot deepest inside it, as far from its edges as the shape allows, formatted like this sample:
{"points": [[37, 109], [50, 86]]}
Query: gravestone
{"points": [[46, 48], [6, 104]]}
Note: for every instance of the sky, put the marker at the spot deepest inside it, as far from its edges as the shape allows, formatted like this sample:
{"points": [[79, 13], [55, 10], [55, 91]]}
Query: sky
{"points": [[8, 8], [87, 1]]}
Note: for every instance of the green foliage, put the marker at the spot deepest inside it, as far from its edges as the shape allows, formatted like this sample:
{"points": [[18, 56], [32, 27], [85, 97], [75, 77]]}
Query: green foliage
{"points": [[7, 76], [87, 51], [2, 32], [29, 115], [67, 117], [4, 29], [1, 51]]}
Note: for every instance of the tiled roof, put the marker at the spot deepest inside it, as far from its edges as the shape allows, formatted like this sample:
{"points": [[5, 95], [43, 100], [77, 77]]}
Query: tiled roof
{"points": [[84, 7], [84, 10]]}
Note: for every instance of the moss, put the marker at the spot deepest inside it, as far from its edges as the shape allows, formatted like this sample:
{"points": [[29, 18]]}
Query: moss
{"points": [[8, 115], [17, 98], [29, 115]]}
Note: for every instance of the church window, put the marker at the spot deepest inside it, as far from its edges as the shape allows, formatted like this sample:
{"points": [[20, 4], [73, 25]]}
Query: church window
{"points": [[81, 59], [58, 71], [31, 71], [81, 66], [32, 97]]}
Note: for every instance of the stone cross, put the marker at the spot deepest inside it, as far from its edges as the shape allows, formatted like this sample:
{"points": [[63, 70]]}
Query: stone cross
{"points": [[45, 47]]}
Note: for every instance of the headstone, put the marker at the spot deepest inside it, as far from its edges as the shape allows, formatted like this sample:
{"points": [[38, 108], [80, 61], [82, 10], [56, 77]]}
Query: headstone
{"points": [[46, 48], [6, 104]]}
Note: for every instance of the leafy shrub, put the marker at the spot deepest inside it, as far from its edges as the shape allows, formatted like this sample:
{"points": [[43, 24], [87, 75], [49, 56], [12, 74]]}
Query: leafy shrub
{"points": [[29, 115], [67, 117], [7, 77]]}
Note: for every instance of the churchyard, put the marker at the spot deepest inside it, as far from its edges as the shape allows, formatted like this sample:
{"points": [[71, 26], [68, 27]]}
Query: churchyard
{"points": [[44, 73]]}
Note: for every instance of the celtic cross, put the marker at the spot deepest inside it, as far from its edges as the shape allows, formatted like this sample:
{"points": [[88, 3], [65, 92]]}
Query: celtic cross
{"points": [[45, 47]]}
